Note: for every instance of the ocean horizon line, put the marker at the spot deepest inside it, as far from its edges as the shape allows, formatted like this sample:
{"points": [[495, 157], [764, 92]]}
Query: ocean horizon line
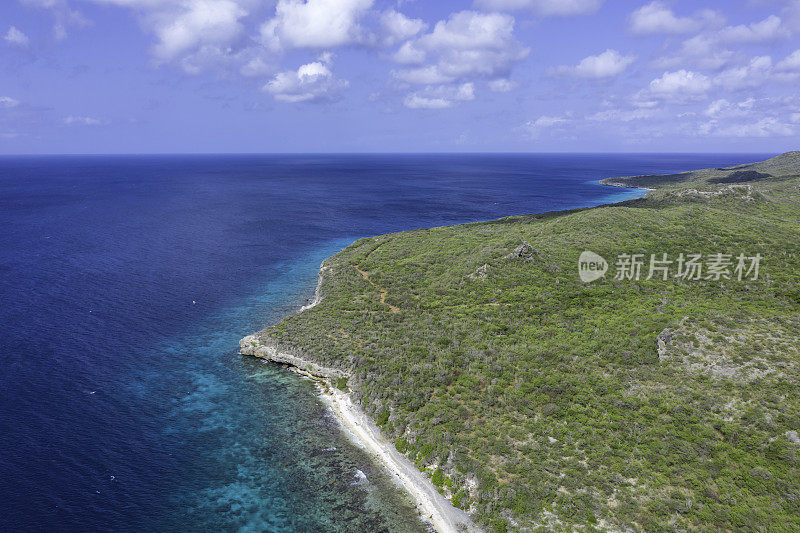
{"points": [[266, 154]]}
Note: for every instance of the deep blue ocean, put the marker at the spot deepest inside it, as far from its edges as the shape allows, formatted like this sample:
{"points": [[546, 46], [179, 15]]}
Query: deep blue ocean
{"points": [[126, 283]]}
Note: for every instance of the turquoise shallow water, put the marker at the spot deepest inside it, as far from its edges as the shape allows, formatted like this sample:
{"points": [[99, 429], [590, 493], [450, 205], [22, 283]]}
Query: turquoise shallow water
{"points": [[243, 413], [126, 283]]}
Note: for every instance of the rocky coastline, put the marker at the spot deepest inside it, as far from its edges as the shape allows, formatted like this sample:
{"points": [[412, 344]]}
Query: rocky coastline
{"points": [[434, 509]]}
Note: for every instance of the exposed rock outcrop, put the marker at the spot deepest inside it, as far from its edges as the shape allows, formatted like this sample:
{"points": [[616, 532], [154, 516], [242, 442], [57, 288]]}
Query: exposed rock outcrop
{"points": [[524, 252], [269, 349], [481, 273]]}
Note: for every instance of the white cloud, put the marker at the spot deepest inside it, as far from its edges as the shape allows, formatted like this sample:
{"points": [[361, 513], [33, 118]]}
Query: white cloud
{"points": [[546, 121], [680, 86], [315, 23], [769, 29], [398, 27], [200, 22], [415, 101], [701, 51], [723, 109], [790, 63], [763, 117], [605, 65], [6, 102], [254, 67], [612, 115], [657, 17], [202, 34], [440, 97], [765, 127], [429, 75], [16, 37], [195, 34], [83, 121], [708, 50], [557, 8], [407, 54], [465, 46], [311, 82], [501, 85], [751, 75], [465, 92]]}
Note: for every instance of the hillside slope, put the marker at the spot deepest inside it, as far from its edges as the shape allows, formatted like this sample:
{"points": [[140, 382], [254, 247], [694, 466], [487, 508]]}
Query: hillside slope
{"points": [[787, 164], [535, 399]]}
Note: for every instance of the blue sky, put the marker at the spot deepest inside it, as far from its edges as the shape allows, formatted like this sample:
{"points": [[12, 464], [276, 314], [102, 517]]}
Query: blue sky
{"points": [[155, 76]]}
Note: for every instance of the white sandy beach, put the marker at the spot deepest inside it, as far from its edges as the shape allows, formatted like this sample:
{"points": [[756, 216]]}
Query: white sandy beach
{"points": [[434, 508]]}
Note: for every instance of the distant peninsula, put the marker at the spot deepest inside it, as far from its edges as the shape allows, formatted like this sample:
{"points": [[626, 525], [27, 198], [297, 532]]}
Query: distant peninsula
{"points": [[508, 391]]}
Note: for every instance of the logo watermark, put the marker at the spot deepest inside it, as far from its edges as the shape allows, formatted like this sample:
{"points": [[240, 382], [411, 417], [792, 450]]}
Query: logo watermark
{"points": [[591, 266], [684, 266]]}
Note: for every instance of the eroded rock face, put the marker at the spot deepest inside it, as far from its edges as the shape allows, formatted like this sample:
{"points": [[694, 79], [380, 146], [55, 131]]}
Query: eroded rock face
{"points": [[743, 192], [269, 349], [524, 252]]}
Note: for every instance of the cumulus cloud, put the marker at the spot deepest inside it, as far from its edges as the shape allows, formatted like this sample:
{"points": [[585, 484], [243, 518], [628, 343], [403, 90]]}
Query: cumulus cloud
{"points": [[312, 82], [769, 29], [16, 37], [751, 117], [202, 34], [440, 97], [701, 51], [709, 49], [605, 65], [791, 63], [194, 34], [656, 17], [680, 86], [199, 23], [408, 54], [398, 27], [556, 8], [467, 45], [315, 23], [754, 74]]}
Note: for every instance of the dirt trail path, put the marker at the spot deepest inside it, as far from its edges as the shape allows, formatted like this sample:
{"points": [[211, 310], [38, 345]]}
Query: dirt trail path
{"points": [[383, 292]]}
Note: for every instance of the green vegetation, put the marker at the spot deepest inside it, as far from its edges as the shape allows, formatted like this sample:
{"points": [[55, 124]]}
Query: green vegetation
{"points": [[783, 165], [538, 401]]}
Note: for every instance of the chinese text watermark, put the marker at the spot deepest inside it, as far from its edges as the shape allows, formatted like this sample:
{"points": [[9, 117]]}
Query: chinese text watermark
{"points": [[684, 266]]}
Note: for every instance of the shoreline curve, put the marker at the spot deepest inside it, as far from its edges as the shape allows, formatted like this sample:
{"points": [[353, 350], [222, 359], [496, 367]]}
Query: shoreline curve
{"points": [[434, 509]]}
